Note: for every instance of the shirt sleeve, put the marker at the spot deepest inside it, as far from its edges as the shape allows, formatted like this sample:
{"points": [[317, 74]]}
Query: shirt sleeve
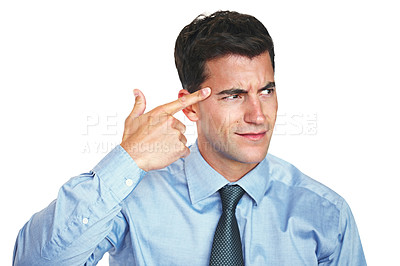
{"points": [[76, 227], [348, 250]]}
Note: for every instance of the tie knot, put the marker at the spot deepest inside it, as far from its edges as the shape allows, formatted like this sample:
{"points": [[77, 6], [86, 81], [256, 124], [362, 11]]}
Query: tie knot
{"points": [[230, 196]]}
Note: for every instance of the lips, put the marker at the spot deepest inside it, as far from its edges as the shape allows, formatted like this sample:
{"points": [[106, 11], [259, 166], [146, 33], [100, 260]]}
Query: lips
{"points": [[254, 136]]}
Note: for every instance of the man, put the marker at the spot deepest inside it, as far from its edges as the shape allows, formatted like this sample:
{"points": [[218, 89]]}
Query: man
{"points": [[224, 200]]}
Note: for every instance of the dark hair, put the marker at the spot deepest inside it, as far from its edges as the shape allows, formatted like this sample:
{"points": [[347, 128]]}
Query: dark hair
{"points": [[214, 36]]}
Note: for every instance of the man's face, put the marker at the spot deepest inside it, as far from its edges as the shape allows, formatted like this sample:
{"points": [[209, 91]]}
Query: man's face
{"points": [[235, 123]]}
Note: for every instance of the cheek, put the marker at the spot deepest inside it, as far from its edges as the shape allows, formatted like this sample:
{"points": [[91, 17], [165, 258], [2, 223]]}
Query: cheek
{"points": [[218, 122], [270, 109], [220, 119]]}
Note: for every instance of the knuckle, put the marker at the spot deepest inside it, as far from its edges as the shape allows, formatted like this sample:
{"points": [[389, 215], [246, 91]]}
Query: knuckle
{"points": [[128, 120], [171, 121], [177, 133], [139, 100], [182, 147], [184, 140], [158, 110], [182, 100], [150, 119]]}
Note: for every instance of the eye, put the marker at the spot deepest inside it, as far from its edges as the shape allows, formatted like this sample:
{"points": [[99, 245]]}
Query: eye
{"points": [[232, 97], [267, 91]]}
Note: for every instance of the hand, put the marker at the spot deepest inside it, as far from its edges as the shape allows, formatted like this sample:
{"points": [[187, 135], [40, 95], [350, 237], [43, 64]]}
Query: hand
{"points": [[156, 139]]}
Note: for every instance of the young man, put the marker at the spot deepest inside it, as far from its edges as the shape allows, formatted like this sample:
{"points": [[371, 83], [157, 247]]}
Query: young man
{"points": [[224, 200]]}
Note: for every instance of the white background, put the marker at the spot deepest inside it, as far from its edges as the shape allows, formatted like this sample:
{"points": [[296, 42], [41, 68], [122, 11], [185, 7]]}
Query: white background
{"points": [[65, 65]]}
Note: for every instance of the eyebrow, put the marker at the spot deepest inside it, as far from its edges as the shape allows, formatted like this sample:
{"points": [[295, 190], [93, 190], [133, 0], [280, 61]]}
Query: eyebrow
{"points": [[241, 91]]}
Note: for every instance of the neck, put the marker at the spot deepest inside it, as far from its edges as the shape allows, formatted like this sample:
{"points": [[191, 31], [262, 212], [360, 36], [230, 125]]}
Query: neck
{"points": [[231, 169]]}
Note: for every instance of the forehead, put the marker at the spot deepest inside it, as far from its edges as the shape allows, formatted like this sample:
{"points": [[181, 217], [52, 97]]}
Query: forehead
{"points": [[235, 71]]}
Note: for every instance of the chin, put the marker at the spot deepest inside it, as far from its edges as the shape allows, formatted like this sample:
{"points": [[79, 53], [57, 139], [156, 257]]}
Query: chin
{"points": [[251, 157]]}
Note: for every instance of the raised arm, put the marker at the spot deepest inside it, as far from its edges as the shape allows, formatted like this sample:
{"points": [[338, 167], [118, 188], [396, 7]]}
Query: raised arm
{"points": [[85, 220]]}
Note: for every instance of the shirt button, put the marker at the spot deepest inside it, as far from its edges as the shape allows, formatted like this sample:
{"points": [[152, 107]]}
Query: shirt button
{"points": [[85, 220], [129, 182]]}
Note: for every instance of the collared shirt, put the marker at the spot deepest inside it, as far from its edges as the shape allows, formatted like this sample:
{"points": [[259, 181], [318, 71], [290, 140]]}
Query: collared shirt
{"points": [[169, 216]]}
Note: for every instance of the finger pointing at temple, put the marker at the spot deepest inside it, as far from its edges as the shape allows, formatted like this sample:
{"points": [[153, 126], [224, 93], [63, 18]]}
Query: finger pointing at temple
{"points": [[186, 101]]}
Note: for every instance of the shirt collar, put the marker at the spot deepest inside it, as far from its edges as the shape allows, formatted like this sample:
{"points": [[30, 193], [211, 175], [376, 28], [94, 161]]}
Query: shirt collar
{"points": [[203, 180]]}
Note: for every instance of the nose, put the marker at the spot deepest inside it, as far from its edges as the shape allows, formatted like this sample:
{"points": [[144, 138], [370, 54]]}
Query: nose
{"points": [[254, 113]]}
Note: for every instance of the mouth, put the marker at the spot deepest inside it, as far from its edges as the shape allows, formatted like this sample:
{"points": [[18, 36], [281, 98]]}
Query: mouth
{"points": [[254, 136]]}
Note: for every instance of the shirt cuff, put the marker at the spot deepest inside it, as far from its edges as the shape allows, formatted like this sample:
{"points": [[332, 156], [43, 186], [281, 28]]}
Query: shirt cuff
{"points": [[119, 172]]}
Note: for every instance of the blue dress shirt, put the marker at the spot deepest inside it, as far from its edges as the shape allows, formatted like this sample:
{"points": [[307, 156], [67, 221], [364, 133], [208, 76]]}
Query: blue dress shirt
{"points": [[169, 216]]}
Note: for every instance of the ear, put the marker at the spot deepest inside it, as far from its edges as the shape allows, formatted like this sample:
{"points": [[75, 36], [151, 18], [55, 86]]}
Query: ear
{"points": [[191, 111]]}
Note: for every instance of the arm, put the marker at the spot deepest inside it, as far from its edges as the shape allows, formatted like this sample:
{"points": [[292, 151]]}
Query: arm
{"points": [[77, 228], [73, 228], [348, 249]]}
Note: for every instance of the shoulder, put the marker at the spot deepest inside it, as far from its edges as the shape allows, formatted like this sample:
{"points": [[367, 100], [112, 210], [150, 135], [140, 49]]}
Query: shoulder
{"points": [[287, 175], [305, 201]]}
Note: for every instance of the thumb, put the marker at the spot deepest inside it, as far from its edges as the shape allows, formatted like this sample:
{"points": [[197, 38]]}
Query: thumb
{"points": [[140, 104]]}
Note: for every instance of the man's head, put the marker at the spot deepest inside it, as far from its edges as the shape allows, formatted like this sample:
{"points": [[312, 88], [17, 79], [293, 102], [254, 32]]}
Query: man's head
{"points": [[232, 54], [211, 37]]}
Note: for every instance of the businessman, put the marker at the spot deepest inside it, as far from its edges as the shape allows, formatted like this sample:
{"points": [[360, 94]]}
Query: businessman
{"points": [[222, 201]]}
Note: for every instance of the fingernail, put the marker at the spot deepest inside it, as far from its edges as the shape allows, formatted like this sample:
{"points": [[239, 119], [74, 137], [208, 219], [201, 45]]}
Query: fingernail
{"points": [[205, 91], [135, 93]]}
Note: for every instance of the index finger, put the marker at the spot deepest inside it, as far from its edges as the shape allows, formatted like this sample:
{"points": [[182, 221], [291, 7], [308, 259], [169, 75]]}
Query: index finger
{"points": [[186, 101]]}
